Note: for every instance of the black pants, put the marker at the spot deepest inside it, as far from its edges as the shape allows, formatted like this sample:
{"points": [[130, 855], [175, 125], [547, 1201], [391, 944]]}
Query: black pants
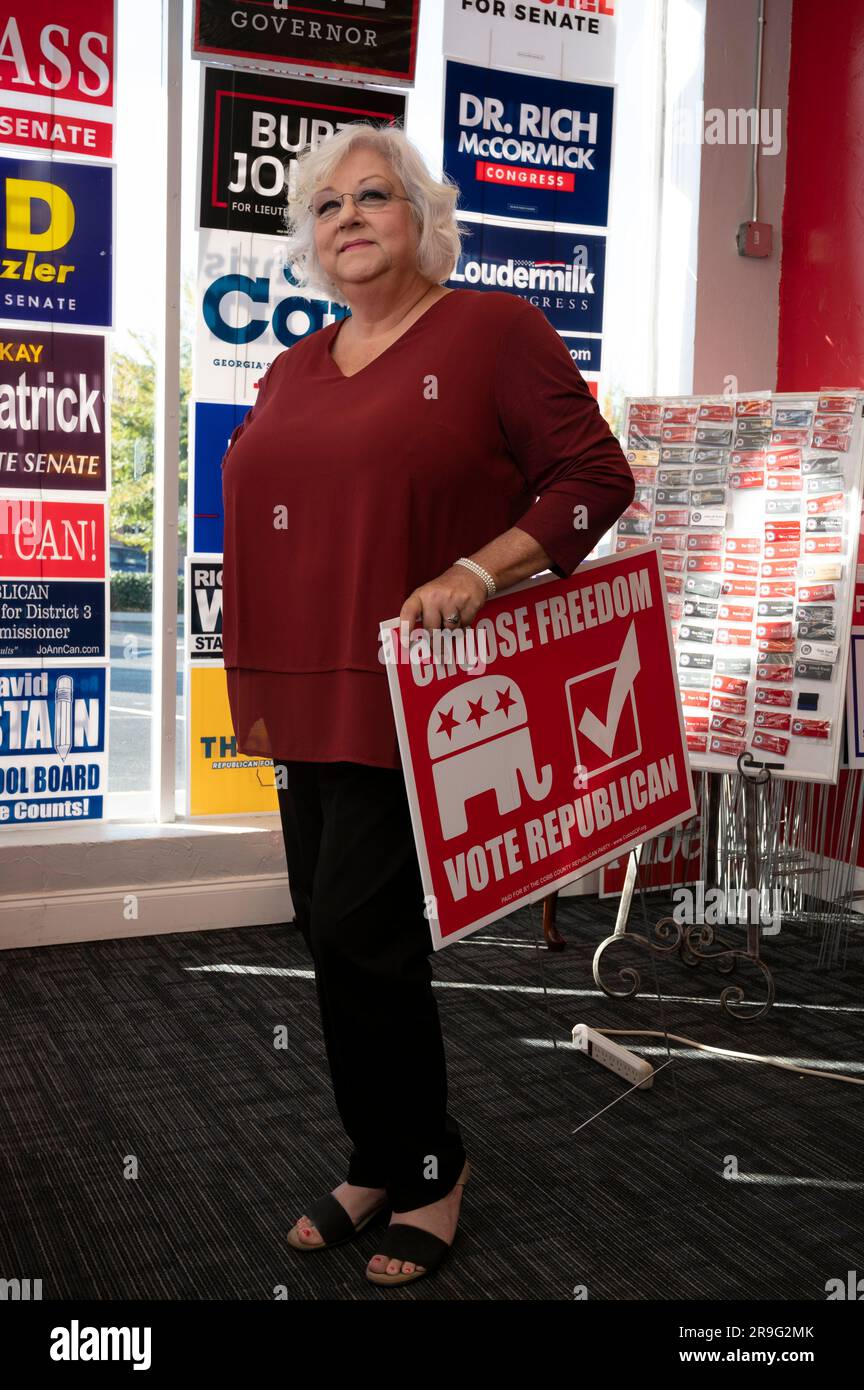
{"points": [[356, 887]]}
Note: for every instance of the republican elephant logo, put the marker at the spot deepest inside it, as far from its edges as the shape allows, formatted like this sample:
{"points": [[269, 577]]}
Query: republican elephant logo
{"points": [[479, 740]]}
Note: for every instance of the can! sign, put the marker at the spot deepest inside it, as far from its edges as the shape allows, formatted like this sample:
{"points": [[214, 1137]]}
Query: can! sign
{"points": [[565, 751]]}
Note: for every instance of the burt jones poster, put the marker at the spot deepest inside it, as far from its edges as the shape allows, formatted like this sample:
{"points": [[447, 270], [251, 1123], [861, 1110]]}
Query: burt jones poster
{"points": [[549, 743]]}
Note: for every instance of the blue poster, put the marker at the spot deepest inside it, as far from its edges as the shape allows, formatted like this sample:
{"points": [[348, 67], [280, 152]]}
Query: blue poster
{"points": [[519, 145], [53, 764], [51, 618], [562, 273], [56, 226], [213, 427]]}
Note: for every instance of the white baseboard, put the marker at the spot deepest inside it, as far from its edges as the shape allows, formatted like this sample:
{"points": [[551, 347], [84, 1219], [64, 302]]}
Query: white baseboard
{"points": [[144, 910]]}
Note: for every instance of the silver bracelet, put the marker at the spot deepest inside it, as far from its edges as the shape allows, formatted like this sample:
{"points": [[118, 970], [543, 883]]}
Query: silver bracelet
{"points": [[482, 574]]}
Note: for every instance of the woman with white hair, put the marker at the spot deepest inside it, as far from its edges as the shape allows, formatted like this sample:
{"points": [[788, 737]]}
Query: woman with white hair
{"points": [[414, 458]]}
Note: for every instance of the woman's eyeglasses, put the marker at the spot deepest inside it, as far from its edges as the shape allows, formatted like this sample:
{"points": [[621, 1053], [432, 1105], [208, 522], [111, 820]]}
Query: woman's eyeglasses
{"points": [[372, 197]]}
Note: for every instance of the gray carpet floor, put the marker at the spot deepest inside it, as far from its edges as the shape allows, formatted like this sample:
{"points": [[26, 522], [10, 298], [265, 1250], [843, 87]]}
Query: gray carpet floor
{"points": [[155, 1145]]}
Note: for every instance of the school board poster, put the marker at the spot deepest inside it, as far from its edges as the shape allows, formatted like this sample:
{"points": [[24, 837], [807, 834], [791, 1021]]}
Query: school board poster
{"points": [[53, 755]]}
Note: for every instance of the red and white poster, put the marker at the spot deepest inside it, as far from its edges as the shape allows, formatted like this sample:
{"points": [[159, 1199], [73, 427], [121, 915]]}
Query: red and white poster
{"points": [[57, 76], [51, 540], [549, 743], [669, 861]]}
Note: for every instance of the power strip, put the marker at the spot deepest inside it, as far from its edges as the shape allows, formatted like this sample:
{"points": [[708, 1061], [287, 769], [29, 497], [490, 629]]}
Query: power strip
{"points": [[609, 1054]]}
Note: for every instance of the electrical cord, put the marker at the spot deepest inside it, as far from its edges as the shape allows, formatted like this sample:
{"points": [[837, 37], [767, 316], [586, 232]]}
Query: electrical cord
{"points": [[728, 1052]]}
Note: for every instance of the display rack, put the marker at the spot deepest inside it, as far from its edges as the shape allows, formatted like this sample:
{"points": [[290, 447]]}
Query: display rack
{"points": [[755, 503]]}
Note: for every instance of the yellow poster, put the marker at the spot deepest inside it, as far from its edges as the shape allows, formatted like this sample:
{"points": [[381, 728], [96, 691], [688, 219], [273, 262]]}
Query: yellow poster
{"points": [[220, 782]]}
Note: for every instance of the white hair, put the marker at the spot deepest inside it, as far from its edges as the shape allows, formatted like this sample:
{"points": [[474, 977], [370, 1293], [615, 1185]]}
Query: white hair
{"points": [[432, 204]]}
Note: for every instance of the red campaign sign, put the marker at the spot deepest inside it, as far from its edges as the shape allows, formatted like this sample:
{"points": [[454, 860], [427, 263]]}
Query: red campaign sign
{"points": [[51, 540], [670, 861], [563, 753], [57, 76], [858, 600]]}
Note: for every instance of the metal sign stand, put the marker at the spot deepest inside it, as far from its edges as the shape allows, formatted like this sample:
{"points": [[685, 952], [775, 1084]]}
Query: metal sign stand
{"points": [[758, 837]]}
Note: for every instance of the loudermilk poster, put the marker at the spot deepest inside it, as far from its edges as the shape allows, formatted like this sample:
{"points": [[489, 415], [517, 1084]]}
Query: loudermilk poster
{"points": [[57, 76], [253, 128], [561, 273], [565, 752], [52, 411], [530, 147], [56, 236], [52, 744]]}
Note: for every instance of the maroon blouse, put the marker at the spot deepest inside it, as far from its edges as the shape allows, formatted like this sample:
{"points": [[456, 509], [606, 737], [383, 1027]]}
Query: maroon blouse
{"points": [[343, 494]]}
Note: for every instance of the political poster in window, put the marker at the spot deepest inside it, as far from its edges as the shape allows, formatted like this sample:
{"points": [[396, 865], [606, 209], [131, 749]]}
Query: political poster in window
{"points": [[56, 225], [576, 40], [249, 309], [550, 744], [204, 608], [529, 147], [57, 76], [52, 620], [375, 39], [562, 273], [52, 411], [212, 425], [53, 763], [253, 128], [221, 782], [42, 539]]}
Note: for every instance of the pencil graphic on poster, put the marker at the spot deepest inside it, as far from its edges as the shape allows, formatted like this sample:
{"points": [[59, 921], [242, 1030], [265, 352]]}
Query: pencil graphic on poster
{"points": [[63, 716]]}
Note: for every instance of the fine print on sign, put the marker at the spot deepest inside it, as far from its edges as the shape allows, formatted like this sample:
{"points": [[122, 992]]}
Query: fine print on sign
{"points": [[551, 742]]}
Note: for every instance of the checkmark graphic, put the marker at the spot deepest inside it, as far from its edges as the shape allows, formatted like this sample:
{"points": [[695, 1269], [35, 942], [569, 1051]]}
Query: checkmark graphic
{"points": [[602, 732]]}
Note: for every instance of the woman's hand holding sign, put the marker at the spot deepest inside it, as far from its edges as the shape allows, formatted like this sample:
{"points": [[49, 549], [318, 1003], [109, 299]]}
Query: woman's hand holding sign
{"points": [[460, 593]]}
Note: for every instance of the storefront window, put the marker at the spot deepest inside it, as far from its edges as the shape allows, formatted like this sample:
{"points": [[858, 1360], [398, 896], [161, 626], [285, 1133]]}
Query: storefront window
{"points": [[647, 339]]}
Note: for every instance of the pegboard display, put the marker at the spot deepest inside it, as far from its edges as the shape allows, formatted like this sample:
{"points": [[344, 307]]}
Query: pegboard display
{"points": [[754, 503]]}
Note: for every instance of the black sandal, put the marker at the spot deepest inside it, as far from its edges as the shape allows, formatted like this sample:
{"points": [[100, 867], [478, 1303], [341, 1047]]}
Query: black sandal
{"points": [[333, 1223], [404, 1242]]}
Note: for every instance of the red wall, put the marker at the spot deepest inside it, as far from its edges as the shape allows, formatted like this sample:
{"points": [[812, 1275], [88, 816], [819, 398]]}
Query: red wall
{"points": [[821, 328], [821, 332]]}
